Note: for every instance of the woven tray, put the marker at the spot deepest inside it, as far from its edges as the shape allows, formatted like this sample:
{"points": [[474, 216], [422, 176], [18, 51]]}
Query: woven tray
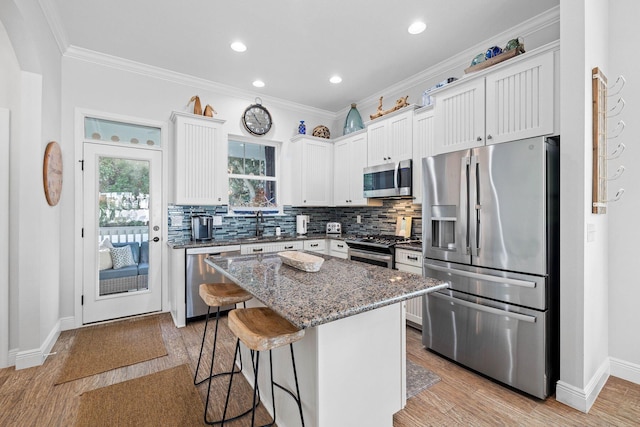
{"points": [[495, 60]]}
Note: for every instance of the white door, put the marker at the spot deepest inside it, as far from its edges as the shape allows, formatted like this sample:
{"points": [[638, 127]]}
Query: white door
{"points": [[122, 231]]}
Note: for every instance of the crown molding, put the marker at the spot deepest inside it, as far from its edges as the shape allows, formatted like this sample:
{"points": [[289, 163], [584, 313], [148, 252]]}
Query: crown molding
{"points": [[461, 59], [103, 59], [52, 16]]}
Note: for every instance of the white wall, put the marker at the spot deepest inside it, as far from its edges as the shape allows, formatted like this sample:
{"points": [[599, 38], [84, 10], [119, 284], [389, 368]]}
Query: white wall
{"points": [[624, 233], [584, 296], [9, 76], [91, 82], [33, 286]]}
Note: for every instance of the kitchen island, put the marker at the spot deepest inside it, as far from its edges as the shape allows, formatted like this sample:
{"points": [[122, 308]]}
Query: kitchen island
{"points": [[351, 363]]}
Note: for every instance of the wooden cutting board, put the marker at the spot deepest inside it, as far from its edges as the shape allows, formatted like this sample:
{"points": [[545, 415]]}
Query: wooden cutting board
{"points": [[403, 226]]}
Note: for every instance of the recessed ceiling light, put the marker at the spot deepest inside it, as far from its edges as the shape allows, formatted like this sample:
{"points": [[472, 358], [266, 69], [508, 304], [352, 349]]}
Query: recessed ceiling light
{"points": [[258, 83], [335, 79], [238, 46], [417, 27]]}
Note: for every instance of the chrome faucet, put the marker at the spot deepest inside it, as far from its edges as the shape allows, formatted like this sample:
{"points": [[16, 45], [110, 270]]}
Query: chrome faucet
{"points": [[259, 219]]}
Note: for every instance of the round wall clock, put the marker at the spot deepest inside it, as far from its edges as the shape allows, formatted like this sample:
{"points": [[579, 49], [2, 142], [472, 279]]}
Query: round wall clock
{"points": [[257, 119], [52, 173]]}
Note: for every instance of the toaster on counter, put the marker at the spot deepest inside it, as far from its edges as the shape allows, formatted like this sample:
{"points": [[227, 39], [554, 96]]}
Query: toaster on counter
{"points": [[334, 228]]}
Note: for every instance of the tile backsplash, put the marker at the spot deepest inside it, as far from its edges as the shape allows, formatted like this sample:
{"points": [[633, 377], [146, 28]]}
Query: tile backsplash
{"points": [[374, 220]]}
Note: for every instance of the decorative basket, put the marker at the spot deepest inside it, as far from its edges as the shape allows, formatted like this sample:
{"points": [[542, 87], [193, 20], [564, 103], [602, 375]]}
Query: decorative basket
{"points": [[495, 60], [321, 131], [301, 261]]}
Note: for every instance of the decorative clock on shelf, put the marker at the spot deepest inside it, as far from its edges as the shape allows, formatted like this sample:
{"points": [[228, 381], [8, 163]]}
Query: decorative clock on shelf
{"points": [[52, 173], [257, 119]]}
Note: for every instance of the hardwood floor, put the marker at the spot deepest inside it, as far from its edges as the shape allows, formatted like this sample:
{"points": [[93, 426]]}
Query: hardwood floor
{"points": [[462, 398]]}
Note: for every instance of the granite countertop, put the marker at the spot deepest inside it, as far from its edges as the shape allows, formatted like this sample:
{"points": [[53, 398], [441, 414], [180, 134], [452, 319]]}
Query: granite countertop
{"points": [[413, 246], [186, 244], [341, 288]]}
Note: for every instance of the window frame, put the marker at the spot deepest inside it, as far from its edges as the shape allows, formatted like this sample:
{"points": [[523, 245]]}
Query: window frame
{"points": [[250, 211]]}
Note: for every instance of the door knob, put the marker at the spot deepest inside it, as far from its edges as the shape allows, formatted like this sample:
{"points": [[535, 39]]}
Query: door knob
{"points": [[156, 239]]}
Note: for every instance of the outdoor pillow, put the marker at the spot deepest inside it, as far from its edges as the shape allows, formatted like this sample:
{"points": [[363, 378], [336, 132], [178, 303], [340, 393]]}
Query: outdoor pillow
{"points": [[105, 259], [122, 257]]}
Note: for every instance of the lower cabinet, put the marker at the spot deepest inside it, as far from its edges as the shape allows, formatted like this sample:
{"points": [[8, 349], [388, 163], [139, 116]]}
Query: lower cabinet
{"points": [[258, 248], [411, 261], [316, 245], [338, 249]]}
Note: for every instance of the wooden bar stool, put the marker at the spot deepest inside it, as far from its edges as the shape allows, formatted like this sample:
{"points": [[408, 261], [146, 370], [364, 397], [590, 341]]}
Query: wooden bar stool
{"points": [[262, 329], [218, 295]]}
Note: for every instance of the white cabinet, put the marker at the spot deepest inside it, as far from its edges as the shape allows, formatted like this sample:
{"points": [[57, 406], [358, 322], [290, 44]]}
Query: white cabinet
{"points": [[312, 171], [514, 101], [411, 261], [350, 158], [459, 117], [423, 137], [520, 102], [390, 138], [338, 248], [200, 153], [260, 248], [316, 245]]}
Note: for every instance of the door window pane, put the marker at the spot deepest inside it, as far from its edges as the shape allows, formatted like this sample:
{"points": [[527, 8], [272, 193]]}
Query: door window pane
{"points": [[126, 133], [123, 218]]}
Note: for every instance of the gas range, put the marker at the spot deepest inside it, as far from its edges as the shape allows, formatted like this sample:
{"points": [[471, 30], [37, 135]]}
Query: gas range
{"points": [[375, 249], [381, 241]]}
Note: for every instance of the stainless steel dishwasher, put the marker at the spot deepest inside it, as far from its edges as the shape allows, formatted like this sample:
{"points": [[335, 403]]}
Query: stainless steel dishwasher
{"points": [[198, 272]]}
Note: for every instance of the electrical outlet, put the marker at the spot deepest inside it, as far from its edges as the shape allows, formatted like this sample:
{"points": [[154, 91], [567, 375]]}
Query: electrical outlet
{"points": [[358, 219], [217, 220]]}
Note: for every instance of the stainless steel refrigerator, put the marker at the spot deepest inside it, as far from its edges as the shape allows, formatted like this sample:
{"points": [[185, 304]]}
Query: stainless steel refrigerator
{"points": [[491, 228]]}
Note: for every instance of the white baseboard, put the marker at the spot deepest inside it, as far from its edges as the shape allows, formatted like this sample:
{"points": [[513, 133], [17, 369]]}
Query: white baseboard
{"points": [[12, 357], [625, 370], [67, 323], [582, 399], [36, 357]]}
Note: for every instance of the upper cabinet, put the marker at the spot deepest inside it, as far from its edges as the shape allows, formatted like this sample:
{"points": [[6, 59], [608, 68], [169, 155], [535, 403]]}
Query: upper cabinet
{"points": [[513, 102], [350, 158], [423, 138], [520, 100], [312, 171], [390, 138], [200, 153], [459, 117]]}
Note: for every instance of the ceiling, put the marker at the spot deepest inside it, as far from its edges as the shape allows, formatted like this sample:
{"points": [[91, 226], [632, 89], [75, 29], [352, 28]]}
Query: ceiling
{"points": [[294, 46]]}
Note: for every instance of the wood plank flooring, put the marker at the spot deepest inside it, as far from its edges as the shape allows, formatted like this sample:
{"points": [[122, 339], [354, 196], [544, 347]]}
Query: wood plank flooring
{"points": [[29, 398]]}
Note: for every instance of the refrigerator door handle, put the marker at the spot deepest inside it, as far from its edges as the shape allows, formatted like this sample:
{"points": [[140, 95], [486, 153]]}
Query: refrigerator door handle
{"points": [[464, 202], [486, 308], [478, 206], [485, 277]]}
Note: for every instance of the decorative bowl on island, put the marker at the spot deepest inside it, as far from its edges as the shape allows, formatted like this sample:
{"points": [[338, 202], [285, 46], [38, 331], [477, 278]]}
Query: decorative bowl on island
{"points": [[301, 260]]}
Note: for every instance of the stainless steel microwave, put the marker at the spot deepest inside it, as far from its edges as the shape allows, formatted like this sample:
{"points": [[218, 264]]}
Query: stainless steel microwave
{"points": [[388, 180]]}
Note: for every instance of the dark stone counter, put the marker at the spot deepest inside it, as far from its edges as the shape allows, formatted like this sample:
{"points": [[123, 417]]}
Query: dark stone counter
{"points": [[186, 244]]}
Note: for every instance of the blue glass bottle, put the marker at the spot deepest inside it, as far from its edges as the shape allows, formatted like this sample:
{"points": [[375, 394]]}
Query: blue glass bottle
{"points": [[353, 121], [302, 128]]}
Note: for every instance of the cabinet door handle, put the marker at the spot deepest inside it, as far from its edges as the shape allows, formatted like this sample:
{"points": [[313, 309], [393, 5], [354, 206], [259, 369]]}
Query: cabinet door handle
{"points": [[412, 258], [340, 246], [314, 245], [257, 249], [489, 137], [288, 247], [479, 139]]}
